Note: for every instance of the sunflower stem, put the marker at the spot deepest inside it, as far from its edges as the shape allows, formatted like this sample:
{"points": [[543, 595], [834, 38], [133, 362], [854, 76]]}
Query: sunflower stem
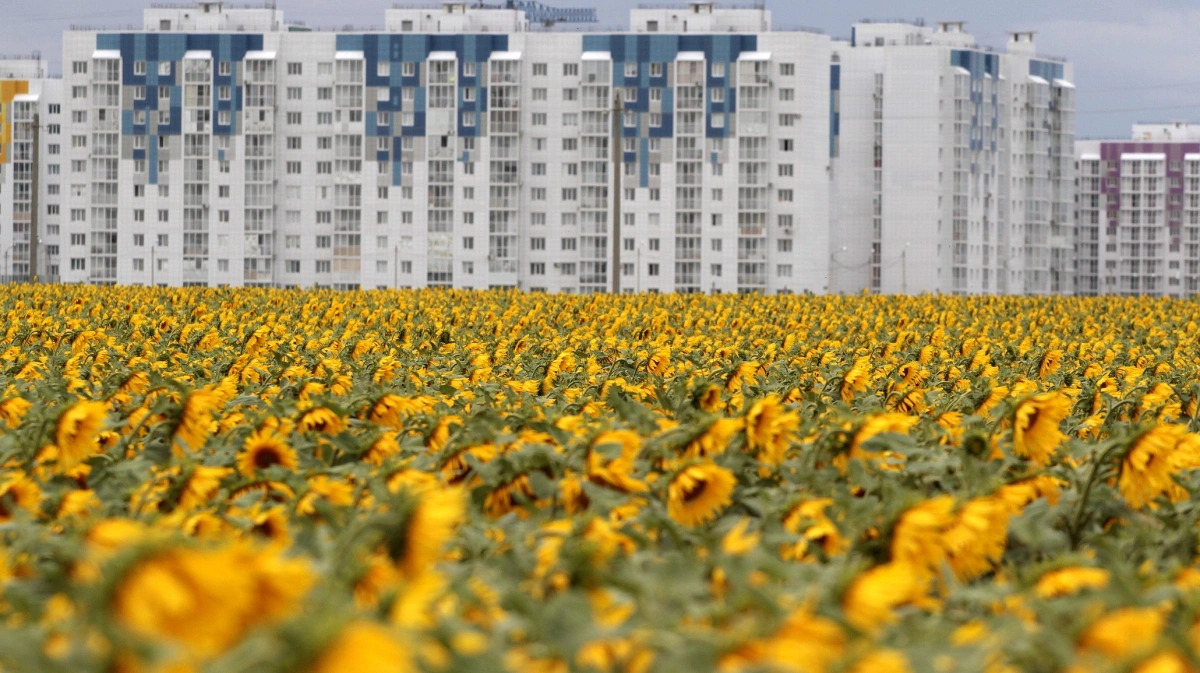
{"points": [[1077, 520]]}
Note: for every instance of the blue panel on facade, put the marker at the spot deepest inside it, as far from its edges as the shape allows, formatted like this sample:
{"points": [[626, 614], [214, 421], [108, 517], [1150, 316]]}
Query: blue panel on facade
{"points": [[980, 65], [152, 48], [647, 49], [835, 115], [1047, 70], [399, 49], [152, 163]]}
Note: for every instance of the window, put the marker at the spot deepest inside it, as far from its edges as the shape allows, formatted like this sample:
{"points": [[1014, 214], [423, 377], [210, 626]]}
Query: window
{"points": [[469, 94], [787, 69], [785, 170], [225, 92], [539, 69], [783, 271], [631, 69], [570, 70], [786, 95], [293, 168], [408, 69], [78, 92], [656, 69], [537, 269], [469, 69], [786, 145], [294, 93], [79, 67], [225, 69], [324, 266], [164, 68], [295, 68], [223, 265], [652, 269], [785, 195], [539, 119], [78, 239], [325, 69], [139, 264], [540, 94], [77, 264], [784, 245], [293, 118], [222, 191], [653, 244], [715, 270], [538, 243], [164, 93], [718, 95], [718, 69], [293, 266], [164, 215], [538, 168], [139, 68], [139, 215], [324, 242], [163, 240]]}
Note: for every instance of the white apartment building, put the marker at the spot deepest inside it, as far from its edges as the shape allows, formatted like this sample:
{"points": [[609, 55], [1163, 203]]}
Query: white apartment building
{"points": [[457, 147], [30, 200], [1139, 212], [953, 166]]}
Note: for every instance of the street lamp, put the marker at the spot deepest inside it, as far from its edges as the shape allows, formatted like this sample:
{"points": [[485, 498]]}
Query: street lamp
{"points": [[7, 277]]}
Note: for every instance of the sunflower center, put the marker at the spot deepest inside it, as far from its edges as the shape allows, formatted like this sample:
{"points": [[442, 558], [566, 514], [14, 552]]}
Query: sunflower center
{"points": [[1032, 419], [266, 529], [695, 490], [266, 457]]}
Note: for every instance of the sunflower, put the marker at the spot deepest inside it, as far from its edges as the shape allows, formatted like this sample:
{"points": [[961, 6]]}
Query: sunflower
{"points": [[18, 492], [202, 486], [322, 420], [917, 538], [1036, 432], [363, 647], [262, 449], [195, 420], [715, 439], [336, 492], [1123, 633], [616, 473], [1149, 466], [77, 433], [770, 429], [13, 410], [870, 601], [698, 493], [1070, 581], [430, 525]]}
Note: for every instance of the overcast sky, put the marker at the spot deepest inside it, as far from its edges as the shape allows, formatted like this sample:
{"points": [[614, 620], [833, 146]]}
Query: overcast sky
{"points": [[1134, 59]]}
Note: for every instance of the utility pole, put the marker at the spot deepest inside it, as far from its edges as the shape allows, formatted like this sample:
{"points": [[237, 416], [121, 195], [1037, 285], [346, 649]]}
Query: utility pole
{"points": [[617, 150], [904, 270], [35, 207]]}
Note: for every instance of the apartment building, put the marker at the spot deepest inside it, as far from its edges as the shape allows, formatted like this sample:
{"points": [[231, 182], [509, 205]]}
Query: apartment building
{"points": [[1139, 212], [31, 122], [952, 164], [457, 147]]}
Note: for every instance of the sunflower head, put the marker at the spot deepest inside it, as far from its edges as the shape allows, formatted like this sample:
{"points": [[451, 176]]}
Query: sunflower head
{"points": [[699, 493], [265, 448]]}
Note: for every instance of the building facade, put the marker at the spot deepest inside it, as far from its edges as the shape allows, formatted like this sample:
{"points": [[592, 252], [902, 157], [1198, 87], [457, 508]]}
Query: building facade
{"points": [[1139, 212], [31, 123], [953, 166], [454, 148]]}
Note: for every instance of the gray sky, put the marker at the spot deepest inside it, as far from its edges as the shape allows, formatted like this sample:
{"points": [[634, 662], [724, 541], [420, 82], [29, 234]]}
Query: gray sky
{"points": [[1134, 59]]}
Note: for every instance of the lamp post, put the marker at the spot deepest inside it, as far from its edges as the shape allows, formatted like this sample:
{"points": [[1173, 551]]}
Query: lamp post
{"points": [[152, 266], [7, 278], [396, 268]]}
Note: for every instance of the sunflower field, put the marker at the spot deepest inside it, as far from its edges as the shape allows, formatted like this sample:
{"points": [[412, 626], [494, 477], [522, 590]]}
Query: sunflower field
{"points": [[390, 482]]}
